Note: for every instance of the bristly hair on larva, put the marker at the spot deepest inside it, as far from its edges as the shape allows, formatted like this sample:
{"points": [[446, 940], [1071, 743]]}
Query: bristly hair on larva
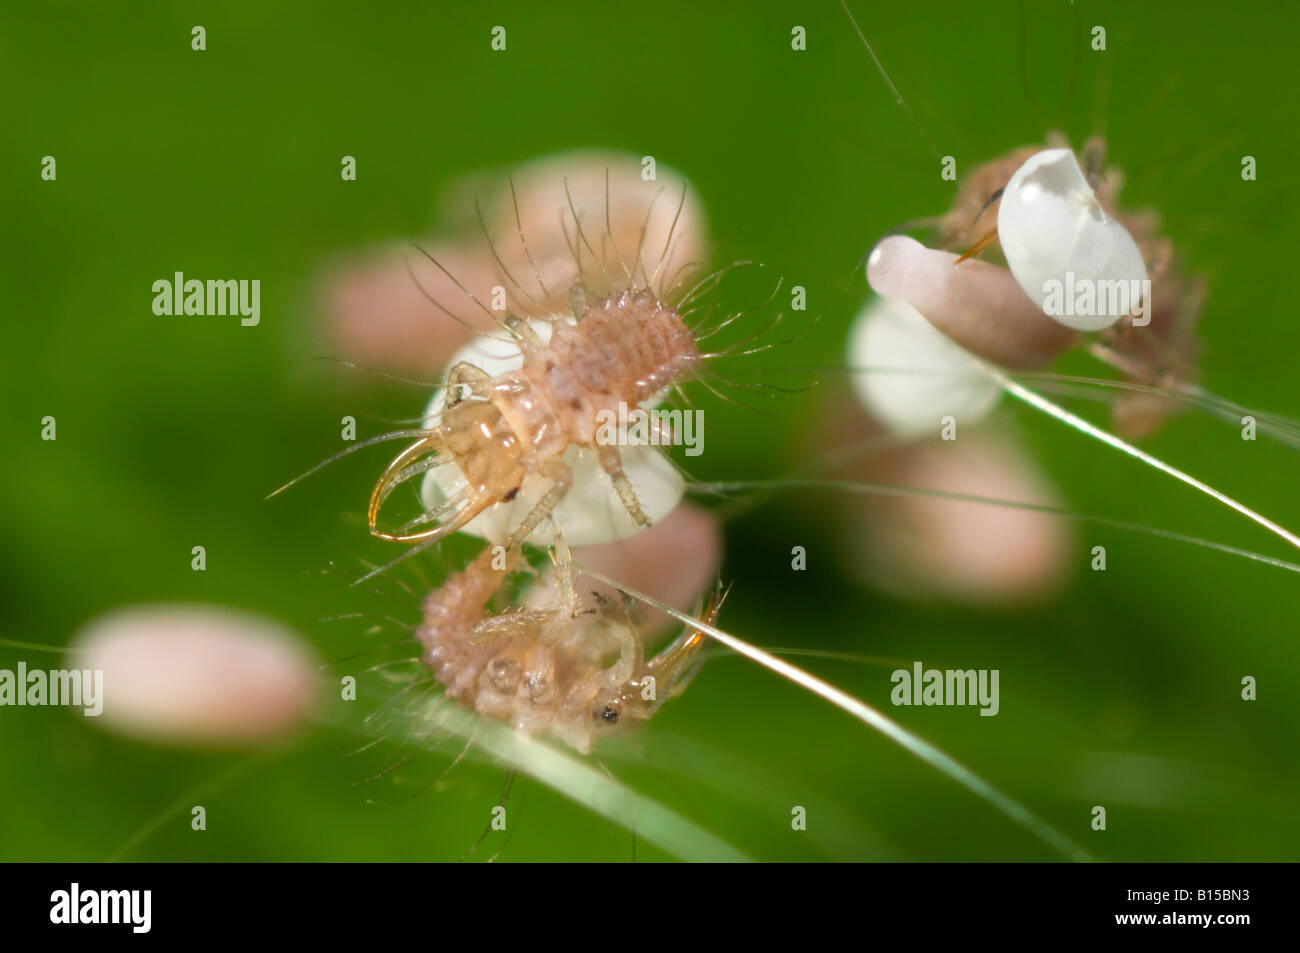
{"points": [[622, 330]]}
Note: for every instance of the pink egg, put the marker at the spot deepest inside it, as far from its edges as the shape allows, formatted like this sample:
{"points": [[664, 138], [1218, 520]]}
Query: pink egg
{"points": [[196, 674], [969, 552], [375, 305], [377, 311]]}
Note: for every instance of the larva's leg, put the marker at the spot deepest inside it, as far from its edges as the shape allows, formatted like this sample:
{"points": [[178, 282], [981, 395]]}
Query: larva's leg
{"points": [[611, 461], [626, 634], [508, 625], [561, 478], [578, 301], [674, 667], [521, 331], [565, 585], [464, 375]]}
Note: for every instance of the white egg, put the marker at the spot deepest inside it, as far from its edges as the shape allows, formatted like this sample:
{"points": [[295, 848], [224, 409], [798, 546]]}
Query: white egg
{"points": [[909, 375], [1063, 248]]}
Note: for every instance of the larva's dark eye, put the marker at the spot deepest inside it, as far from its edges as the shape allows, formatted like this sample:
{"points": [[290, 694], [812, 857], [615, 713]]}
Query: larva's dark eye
{"points": [[610, 714]]}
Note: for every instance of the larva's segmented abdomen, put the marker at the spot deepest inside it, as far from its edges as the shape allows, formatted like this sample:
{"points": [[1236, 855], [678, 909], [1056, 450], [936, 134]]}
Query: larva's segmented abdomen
{"points": [[555, 670], [625, 348], [450, 614]]}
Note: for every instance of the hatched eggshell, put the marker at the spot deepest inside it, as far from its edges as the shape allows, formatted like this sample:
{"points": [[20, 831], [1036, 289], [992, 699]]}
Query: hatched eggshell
{"points": [[1055, 234], [909, 375], [377, 311]]}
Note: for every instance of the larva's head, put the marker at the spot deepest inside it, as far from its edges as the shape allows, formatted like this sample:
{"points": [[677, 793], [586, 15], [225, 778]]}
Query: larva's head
{"points": [[621, 708], [659, 679]]}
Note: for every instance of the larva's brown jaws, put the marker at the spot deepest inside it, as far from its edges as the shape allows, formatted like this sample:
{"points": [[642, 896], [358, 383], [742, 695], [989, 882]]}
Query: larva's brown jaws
{"points": [[405, 466], [676, 665]]}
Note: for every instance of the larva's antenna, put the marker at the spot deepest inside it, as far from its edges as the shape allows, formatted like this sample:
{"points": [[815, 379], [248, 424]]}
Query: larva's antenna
{"points": [[395, 435]]}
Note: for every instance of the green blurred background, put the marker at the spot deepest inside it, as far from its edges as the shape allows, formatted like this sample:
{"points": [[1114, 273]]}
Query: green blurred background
{"points": [[1124, 692]]}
